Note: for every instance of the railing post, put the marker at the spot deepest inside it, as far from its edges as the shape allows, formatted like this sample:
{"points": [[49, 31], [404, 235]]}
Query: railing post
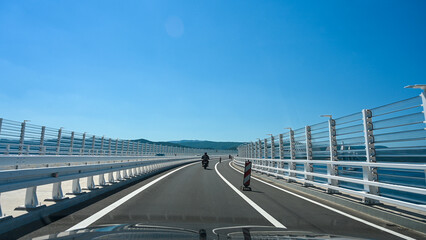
{"points": [[331, 168], [265, 148], [76, 189], [22, 137], [71, 143], [118, 175], [281, 149], [265, 155], [102, 180], [258, 147], [127, 149], [281, 146], [58, 143], [138, 151], [83, 143], [369, 173], [273, 163], [2, 215], [90, 183], [57, 194], [122, 147], [109, 147], [259, 142], [93, 144], [125, 174], [43, 132], [111, 177], [292, 165], [308, 166], [423, 96], [102, 145], [31, 200]]}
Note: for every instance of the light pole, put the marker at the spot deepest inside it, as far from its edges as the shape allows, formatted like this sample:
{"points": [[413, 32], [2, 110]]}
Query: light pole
{"points": [[418, 86], [422, 95], [329, 116]]}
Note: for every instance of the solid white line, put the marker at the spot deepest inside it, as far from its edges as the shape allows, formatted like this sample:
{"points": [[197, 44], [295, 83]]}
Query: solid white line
{"points": [[249, 201], [86, 222], [332, 209]]}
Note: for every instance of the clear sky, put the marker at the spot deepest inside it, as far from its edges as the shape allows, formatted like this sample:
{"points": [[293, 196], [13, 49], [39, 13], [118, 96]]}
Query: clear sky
{"points": [[215, 70]]}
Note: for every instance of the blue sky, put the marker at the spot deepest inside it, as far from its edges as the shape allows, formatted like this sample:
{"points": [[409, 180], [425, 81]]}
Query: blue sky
{"points": [[215, 70]]}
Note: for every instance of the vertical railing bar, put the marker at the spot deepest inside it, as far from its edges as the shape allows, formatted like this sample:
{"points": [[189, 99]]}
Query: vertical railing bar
{"points": [[58, 143], [331, 168], [369, 173], [102, 145], [308, 166], [42, 135], [109, 147], [83, 143], [93, 144], [71, 143], [21, 138], [292, 165]]}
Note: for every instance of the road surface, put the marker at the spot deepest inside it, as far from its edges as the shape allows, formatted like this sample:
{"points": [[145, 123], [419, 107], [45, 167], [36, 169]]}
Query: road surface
{"points": [[195, 198]]}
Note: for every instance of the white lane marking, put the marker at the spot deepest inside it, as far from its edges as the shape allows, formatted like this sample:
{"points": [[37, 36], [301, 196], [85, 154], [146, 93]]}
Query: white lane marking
{"points": [[86, 222], [332, 209], [249, 201]]}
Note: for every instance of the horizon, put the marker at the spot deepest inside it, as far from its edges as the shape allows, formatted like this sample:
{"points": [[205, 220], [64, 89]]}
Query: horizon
{"points": [[225, 71]]}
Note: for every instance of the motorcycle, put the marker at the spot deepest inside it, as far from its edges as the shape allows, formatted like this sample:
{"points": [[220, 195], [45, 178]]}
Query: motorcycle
{"points": [[205, 164]]}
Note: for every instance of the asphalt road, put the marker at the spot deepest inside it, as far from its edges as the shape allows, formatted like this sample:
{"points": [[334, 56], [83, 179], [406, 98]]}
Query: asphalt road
{"points": [[196, 198]]}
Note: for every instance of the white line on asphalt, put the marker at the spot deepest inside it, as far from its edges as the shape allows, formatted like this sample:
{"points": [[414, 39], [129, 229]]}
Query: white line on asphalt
{"points": [[249, 201], [86, 222], [332, 209]]}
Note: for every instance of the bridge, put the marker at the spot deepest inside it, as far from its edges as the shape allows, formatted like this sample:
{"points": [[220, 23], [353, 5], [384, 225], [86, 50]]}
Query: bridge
{"points": [[360, 175]]}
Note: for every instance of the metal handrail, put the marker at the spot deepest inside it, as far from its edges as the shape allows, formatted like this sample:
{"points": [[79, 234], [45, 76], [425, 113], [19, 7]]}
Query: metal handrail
{"points": [[378, 142], [22, 138], [275, 172]]}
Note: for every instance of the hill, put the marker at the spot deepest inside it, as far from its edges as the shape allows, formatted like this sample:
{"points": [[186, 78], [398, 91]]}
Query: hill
{"points": [[196, 144], [208, 144]]}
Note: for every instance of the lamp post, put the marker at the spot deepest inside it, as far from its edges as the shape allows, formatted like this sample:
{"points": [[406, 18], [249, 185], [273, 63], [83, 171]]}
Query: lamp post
{"points": [[422, 95]]}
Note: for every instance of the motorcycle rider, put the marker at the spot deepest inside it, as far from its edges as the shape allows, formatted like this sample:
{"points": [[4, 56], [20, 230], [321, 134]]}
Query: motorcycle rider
{"points": [[205, 158]]}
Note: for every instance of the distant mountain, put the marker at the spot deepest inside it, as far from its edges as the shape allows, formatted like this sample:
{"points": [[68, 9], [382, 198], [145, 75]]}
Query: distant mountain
{"points": [[196, 144], [141, 140], [208, 144]]}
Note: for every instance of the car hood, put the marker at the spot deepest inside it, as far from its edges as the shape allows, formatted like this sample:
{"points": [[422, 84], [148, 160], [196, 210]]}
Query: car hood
{"points": [[143, 231]]}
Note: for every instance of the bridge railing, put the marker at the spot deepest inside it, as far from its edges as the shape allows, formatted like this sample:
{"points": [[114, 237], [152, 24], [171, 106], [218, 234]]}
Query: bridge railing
{"points": [[33, 155], [378, 154], [105, 174], [23, 138]]}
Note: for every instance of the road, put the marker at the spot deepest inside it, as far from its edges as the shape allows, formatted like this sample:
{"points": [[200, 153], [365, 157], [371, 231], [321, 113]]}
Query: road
{"points": [[195, 198]]}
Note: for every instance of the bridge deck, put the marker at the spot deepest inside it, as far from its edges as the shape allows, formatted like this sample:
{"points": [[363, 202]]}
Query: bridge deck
{"points": [[196, 198]]}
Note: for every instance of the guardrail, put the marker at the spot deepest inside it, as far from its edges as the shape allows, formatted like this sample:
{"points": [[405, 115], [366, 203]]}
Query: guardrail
{"points": [[378, 154], [33, 155], [118, 171]]}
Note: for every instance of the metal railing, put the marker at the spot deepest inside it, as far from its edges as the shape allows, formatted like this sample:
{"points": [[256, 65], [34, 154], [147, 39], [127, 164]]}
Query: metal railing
{"points": [[33, 155], [378, 154], [23, 138]]}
